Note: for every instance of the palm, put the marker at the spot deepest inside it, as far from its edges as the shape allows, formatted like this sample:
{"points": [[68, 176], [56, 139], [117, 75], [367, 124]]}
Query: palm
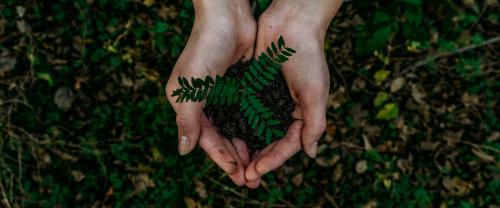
{"points": [[307, 77], [215, 44]]}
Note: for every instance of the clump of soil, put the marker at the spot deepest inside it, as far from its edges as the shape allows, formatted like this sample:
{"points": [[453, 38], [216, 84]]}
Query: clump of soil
{"points": [[232, 123]]}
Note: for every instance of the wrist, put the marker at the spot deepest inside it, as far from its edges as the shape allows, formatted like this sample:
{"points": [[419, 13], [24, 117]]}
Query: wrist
{"points": [[314, 15], [221, 8]]}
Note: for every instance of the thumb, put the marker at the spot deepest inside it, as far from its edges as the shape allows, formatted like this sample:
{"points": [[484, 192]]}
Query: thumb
{"points": [[314, 126], [188, 123]]}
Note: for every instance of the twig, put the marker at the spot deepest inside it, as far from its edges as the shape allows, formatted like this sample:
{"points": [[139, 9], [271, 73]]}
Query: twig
{"points": [[446, 54], [4, 196], [330, 199], [482, 146]]}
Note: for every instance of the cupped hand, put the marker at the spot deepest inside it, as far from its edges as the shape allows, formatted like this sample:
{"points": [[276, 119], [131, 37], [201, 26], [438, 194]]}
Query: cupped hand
{"points": [[223, 34], [303, 26]]}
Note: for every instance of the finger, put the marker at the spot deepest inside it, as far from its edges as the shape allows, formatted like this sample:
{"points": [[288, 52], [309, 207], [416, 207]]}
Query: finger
{"points": [[188, 123], [242, 150], [256, 154], [214, 146], [251, 173], [239, 176], [281, 151], [222, 152], [314, 117], [253, 184]]}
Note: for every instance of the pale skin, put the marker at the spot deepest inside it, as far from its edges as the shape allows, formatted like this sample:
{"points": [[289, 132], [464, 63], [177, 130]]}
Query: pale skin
{"points": [[225, 32]]}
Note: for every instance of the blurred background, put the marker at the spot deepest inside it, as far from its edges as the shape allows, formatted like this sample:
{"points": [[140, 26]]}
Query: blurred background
{"points": [[412, 113]]}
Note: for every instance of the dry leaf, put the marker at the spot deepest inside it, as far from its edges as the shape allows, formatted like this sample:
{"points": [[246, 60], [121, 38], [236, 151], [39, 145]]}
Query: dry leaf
{"points": [[370, 204], [368, 146], [297, 179], [336, 99], [404, 165], [20, 11], [324, 162], [64, 155], [169, 12], [418, 94], [457, 186], [64, 98], [361, 166], [77, 175], [23, 27], [7, 62], [200, 189], [491, 2], [469, 2], [483, 155], [109, 192], [358, 84], [493, 137], [429, 146], [191, 203], [148, 3], [142, 182], [470, 100], [397, 84]]}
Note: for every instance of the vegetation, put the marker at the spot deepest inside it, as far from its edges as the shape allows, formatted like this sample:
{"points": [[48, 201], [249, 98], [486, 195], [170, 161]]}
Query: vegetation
{"points": [[412, 113], [229, 91]]}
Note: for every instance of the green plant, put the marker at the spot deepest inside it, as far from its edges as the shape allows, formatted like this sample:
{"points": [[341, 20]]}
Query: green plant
{"points": [[229, 91]]}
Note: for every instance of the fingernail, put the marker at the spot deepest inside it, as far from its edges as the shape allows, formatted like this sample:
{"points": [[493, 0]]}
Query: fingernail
{"points": [[313, 150], [184, 145]]}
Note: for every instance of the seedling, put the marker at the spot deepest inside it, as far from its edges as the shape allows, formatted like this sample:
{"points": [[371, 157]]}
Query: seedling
{"points": [[225, 91]]}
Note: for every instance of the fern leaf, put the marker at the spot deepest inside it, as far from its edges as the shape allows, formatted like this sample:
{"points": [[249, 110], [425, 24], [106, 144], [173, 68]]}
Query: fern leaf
{"points": [[243, 83], [269, 62], [258, 86], [259, 117], [195, 83], [255, 123], [278, 133], [181, 82], [209, 80], [274, 48], [291, 50], [251, 91], [268, 76], [273, 122], [281, 42], [186, 83], [269, 135], [248, 77], [262, 81], [251, 116], [253, 71], [286, 53], [257, 65], [261, 128], [269, 52], [282, 59], [267, 115]]}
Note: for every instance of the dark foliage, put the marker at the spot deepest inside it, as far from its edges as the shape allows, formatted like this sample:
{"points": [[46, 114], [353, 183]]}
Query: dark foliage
{"points": [[412, 114]]}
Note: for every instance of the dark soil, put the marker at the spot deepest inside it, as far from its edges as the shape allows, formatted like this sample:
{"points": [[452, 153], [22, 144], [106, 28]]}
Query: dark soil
{"points": [[230, 121]]}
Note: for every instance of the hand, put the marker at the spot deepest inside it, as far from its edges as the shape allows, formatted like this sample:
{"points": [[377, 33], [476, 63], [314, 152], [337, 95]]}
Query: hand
{"points": [[303, 26], [223, 33]]}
